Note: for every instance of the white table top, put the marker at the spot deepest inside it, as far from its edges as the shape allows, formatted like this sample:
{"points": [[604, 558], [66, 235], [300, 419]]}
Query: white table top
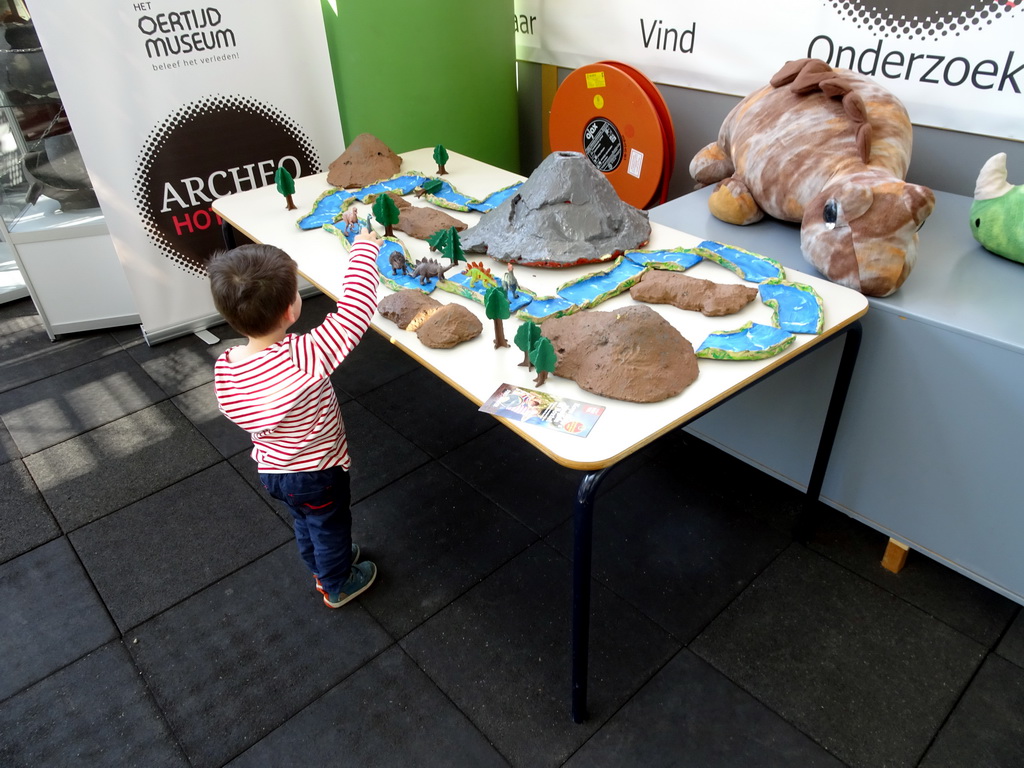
{"points": [[476, 369]]}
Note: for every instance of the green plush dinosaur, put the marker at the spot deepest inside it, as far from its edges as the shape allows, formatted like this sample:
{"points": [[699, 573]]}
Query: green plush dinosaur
{"points": [[997, 213]]}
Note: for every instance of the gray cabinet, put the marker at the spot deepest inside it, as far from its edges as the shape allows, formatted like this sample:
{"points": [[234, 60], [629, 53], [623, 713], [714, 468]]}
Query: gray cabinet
{"points": [[51, 225], [930, 446]]}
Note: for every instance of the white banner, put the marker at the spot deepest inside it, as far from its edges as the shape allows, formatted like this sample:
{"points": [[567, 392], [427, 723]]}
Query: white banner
{"points": [[958, 64], [175, 103]]}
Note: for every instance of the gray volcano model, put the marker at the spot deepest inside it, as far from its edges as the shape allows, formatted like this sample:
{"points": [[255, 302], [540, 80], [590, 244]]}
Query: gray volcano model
{"points": [[566, 213]]}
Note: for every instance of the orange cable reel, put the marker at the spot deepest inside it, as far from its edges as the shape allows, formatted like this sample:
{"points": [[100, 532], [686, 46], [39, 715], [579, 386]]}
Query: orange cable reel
{"points": [[615, 116]]}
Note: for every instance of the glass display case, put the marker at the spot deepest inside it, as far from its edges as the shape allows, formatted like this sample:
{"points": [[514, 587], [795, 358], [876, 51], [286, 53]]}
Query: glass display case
{"points": [[50, 219]]}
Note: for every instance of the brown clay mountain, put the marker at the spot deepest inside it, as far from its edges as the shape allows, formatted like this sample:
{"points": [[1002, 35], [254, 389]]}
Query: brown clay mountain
{"points": [[365, 161]]}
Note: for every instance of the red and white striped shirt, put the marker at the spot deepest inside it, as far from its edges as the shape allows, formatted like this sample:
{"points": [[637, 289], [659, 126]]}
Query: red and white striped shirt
{"points": [[283, 396]]}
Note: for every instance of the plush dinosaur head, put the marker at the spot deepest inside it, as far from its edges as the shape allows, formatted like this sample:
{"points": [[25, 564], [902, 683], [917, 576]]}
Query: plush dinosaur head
{"points": [[997, 213], [861, 231]]}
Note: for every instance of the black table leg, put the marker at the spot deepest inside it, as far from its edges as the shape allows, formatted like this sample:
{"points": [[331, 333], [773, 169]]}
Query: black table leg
{"points": [[851, 347], [228, 233], [583, 528], [583, 519]]}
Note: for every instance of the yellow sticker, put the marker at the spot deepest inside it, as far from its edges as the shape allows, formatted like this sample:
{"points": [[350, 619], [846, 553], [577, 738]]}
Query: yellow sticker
{"points": [[595, 79], [598, 101]]}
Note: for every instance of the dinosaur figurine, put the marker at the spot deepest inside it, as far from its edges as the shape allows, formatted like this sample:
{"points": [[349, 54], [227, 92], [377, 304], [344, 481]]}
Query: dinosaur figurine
{"points": [[398, 263], [428, 268], [510, 283], [997, 213], [828, 148], [478, 273]]}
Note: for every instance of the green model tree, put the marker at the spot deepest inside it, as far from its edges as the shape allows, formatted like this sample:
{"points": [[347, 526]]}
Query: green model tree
{"points": [[387, 214], [437, 240], [440, 157], [497, 309], [544, 358], [285, 185], [430, 187], [525, 338], [451, 247]]}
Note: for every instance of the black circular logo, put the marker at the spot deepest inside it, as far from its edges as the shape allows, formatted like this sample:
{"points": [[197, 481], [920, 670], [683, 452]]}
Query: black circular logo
{"points": [[922, 18], [206, 150], [602, 144]]}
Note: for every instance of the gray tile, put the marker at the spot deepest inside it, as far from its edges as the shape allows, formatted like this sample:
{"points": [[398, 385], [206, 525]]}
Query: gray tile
{"points": [[158, 551], [89, 476], [67, 404], [724, 482], [501, 653], [380, 455], [246, 467], [8, 448], [128, 335], [1011, 647], [517, 477], [375, 361], [387, 713], [863, 673], [237, 660], [27, 354], [200, 407], [184, 363], [965, 605], [25, 520], [688, 709], [686, 555], [429, 411], [986, 728], [51, 615], [18, 311], [95, 712], [433, 537]]}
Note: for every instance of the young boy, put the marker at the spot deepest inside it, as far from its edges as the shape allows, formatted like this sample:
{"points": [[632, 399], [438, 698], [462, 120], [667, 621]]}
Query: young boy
{"points": [[277, 387]]}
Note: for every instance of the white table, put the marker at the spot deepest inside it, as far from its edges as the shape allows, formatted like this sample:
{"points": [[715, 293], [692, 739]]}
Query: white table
{"points": [[476, 369]]}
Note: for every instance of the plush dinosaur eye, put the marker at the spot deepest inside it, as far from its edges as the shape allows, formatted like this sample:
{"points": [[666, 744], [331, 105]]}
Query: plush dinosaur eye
{"points": [[830, 214], [977, 223]]}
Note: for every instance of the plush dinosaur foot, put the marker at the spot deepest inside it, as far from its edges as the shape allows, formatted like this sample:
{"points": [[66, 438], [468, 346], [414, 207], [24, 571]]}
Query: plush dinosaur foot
{"points": [[732, 202], [711, 165]]}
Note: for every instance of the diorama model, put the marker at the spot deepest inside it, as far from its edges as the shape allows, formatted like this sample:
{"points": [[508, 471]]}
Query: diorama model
{"points": [[386, 211], [351, 219], [441, 158], [795, 151], [497, 309], [565, 214], [286, 186], [526, 337]]}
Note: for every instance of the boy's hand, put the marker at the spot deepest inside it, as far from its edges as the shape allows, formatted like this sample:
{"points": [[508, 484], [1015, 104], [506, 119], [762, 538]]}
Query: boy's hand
{"points": [[367, 236]]}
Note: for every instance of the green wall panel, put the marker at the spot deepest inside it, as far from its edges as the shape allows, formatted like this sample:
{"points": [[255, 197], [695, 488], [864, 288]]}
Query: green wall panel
{"points": [[416, 74]]}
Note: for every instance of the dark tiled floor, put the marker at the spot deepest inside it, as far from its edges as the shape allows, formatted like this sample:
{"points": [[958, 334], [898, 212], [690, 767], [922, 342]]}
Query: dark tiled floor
{"points": [[154, 611]]}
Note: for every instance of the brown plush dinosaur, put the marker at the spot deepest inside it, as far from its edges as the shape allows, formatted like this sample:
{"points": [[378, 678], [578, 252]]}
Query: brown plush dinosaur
{"points": [[828, 148]]}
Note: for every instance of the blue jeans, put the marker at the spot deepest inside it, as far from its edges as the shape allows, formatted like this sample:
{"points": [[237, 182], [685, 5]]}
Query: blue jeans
{"points": [[320, 506]]}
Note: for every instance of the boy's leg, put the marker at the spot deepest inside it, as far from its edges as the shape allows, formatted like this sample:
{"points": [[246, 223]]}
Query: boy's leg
{"points": [[329, 522], [280, 486], [320, 504]]}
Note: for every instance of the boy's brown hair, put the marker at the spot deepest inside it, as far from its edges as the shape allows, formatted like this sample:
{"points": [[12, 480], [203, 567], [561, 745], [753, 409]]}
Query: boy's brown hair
{"points": [[253, 286]]}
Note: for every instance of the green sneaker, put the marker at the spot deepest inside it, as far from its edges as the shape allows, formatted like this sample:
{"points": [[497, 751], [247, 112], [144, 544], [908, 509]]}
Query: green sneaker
{"points": [[359, 580], [355, 559]]}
